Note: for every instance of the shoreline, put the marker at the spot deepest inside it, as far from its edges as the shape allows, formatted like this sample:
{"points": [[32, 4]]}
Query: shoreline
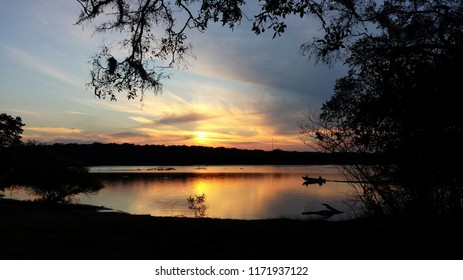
{"points": [[36, 231]]}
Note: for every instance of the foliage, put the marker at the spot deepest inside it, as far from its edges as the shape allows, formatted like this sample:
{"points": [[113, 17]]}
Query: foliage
{"points": [[154, 32], [52, 178], [399, 99], [156, 39], [197, 203], [10, 130]]}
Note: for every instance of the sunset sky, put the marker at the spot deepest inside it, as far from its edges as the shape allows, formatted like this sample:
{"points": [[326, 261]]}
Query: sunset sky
{"points": [[241, 90]]}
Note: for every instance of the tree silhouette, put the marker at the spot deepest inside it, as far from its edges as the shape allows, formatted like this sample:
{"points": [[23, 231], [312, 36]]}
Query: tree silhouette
{"points": [[399, 99], [10, 136], [10, 130], [155, 40], [197, 204], [154, 31]]}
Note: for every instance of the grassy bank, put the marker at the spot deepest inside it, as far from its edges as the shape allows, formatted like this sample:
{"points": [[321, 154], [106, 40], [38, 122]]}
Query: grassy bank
{"points": [[30, 230]]}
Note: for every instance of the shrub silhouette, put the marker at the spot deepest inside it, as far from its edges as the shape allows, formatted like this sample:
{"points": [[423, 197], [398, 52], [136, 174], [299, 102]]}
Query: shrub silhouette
{"points": [[197, 203], [52, 178]]}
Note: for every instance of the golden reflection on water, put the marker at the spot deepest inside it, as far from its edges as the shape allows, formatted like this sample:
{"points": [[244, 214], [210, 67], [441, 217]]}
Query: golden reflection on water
{"points": [[244, 193], [250, 192]]}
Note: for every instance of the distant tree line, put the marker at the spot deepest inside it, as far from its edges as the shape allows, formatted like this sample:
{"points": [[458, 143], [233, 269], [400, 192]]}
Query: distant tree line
{"points": [[130, 154]]}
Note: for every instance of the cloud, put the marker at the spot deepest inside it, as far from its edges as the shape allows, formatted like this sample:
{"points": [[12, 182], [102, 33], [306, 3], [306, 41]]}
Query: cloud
{"points": [[275, 64], [54, 130], [179, 118], [128, 137], [236, 131], [60, 17], [126, 134], [27, 112], [168, 136], [41, 66], [56, 135], [77, 113], [141, 120]]}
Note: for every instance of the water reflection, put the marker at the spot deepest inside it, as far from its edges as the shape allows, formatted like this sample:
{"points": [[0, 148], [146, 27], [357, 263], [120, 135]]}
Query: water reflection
{"points": [[246, 192], [326, 213]]}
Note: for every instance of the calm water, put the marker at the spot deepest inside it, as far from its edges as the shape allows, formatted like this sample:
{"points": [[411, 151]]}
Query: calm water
{"points": [[236, 192]]}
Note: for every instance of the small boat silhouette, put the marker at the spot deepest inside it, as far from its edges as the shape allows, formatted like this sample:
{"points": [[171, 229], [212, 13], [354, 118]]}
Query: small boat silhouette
{"points": [[312, 180]]}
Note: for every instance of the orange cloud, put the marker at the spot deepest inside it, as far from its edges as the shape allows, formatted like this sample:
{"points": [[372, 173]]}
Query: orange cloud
{"points": [[54, 130]]}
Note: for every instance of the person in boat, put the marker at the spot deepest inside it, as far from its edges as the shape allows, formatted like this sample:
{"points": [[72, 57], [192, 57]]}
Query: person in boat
{"points": [[310, 180]]}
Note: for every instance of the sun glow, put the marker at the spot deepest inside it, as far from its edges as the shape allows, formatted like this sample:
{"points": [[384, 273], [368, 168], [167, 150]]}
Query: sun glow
{"points": [[201, 136]]}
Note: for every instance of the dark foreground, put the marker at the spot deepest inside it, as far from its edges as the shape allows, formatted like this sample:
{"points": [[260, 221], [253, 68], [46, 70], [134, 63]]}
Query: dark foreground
{"points": [[35, 231]]}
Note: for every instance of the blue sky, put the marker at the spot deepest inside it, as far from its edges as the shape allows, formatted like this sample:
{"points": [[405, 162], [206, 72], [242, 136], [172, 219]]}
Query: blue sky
{"points": [[240, 90]]}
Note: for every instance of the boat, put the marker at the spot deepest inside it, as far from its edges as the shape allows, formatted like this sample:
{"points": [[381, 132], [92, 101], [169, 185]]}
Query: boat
{"points": [[313, 180]]}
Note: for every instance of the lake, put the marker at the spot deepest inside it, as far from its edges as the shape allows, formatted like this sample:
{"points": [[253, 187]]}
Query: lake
{"points": [[232, 192]]}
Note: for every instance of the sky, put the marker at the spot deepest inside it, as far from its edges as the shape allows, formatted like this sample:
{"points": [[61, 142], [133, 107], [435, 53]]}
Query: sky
{"points": [[239, 90]]}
